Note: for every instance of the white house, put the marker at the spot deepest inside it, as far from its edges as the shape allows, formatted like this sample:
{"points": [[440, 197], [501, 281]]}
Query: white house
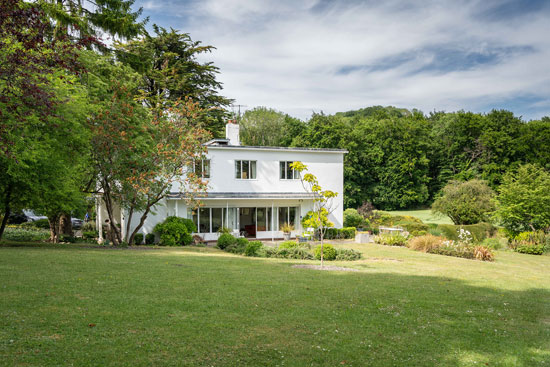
{"points": [[253, 189]]}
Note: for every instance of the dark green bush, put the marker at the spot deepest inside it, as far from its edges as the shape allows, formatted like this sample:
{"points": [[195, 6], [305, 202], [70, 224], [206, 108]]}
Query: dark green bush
{"points": [[347, 255], [67, 238], [253, 248], [530, 249], [225, 240], [479, 231], [150, 239], [329, 253], [238, 247], [90, 235], [175, 231], [340, 233], [40, 223], [353, 219], [138, 239]]}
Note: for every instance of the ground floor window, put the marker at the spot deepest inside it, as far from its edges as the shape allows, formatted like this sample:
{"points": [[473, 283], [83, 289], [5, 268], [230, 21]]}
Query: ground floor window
{"points": [[248, 220]]}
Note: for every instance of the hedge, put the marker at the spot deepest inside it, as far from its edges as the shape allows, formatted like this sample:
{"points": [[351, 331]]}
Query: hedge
{"points": [[340, 233], [479, 231]]}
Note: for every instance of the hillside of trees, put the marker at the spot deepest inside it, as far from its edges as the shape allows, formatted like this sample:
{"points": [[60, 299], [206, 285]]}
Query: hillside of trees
{"points": [[402, 159]]}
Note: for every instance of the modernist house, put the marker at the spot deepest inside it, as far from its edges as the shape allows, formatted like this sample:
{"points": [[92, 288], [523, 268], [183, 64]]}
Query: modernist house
{"points": [[253, 190]]}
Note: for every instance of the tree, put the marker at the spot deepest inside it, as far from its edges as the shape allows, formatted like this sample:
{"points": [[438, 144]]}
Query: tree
{"points": [[170, 70], [524, 200], [264, 126], [40, 104], [323, 204], [468, 202]]}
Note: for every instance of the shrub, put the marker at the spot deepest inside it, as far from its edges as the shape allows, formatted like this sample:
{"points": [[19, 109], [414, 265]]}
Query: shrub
{"points": [[454, 248], [89, 226], [418, 233], [67, 238], [90, 235], [492, 243], [391, 239], [25, 234], [353, 219], [40, 223], [150, 239], [297, 252], [288, 245], [138, 239], [253, 248], [225, 240], [347, 255], [467, 202], [329, 253], [483, 253], [425, 243], [479, 231], [530, 249], [340, 233], [175, 231], [238, 247]]}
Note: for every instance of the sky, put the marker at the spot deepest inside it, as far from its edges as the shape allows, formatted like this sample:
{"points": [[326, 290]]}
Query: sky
{"points": [[309, 56]]}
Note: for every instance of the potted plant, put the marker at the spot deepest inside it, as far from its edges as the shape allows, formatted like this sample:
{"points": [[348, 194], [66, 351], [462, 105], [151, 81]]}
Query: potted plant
{"points": [[287, 228]]}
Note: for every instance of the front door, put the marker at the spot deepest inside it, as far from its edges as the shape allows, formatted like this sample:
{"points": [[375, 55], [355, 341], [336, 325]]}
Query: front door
{"points": [[247, 221]]}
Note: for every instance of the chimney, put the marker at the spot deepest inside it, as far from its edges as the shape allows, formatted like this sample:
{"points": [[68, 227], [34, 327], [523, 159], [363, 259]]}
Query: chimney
{"points": [[232, 132]]}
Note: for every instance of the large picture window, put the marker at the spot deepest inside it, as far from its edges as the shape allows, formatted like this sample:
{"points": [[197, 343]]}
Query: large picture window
{"points": [[245, 170], [287, 173]]}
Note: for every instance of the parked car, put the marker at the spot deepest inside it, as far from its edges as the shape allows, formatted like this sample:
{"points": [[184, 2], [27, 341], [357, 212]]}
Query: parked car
{"points": [[32, 216], [77, 223]]}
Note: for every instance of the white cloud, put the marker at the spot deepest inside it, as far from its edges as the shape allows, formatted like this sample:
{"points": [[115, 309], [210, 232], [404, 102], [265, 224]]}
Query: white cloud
{"points": [[287, 54]]}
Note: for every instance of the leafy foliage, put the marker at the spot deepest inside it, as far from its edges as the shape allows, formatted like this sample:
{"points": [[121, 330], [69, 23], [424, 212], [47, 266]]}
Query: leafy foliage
{"points": [[225, 240], [524, 200], [175, 231], [391, 239], [253, 248], [327, 252], [467, 202]]}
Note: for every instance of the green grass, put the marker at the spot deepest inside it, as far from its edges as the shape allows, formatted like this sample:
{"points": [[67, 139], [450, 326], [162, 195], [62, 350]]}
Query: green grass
{"points": [[424, 215], [72, 305]]}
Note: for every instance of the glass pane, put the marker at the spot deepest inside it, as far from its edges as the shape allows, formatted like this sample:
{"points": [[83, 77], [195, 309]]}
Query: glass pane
{"points": [[283, 216], [269, 219], [216, 219], [205, 220], [198, 168], [288, 171], [237, 169], [232, 224], [245, 170], [292, 216], [282, 174], [253, 170], [296, 175], [261, 219], [192, 214], [206, 168]]}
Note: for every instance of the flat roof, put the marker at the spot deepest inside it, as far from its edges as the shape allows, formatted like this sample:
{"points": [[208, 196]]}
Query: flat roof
{"points": [[250, 147], [244, 195]]}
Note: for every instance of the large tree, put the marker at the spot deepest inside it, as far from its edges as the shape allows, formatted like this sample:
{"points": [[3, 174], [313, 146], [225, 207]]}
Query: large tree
{"points": [[524, 199], [171, 71]]}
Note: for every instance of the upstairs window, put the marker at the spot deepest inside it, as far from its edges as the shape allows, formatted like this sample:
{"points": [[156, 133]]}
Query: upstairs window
{"points": [[202, 167], [287, 173], [245, 170]]}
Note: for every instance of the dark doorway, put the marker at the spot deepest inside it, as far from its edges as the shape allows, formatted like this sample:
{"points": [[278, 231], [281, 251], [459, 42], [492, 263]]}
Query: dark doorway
{"points": [[247, 221]]}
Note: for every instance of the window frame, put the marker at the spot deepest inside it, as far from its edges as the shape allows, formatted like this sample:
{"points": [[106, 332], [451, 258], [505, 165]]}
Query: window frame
{"points": [[239, 169], [204, 173], [295, 174]]}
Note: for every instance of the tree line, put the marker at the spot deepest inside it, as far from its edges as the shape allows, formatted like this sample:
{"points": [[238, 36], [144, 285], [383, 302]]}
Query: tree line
{"points": [[402, 159], [80, 118]]}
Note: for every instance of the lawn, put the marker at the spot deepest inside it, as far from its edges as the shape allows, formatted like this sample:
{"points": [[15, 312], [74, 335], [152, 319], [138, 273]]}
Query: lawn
{"points": [[71, 305], [424, 215]]}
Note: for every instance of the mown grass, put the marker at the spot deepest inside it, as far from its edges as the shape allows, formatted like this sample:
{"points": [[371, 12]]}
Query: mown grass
{"points": [[72, 305], [424, 215]]}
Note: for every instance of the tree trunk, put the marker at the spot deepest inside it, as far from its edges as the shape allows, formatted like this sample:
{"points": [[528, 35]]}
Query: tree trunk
{"points": [[7, 210], [108, 200], [322, 252], [65, 224], [54, 228]]}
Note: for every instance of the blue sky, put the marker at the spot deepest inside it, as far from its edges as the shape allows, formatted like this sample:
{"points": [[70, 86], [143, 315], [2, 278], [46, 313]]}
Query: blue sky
{"points": [[309, 56]]}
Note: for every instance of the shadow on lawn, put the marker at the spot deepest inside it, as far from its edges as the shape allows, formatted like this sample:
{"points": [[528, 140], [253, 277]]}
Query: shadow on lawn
{"points": [[242, 312]]}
